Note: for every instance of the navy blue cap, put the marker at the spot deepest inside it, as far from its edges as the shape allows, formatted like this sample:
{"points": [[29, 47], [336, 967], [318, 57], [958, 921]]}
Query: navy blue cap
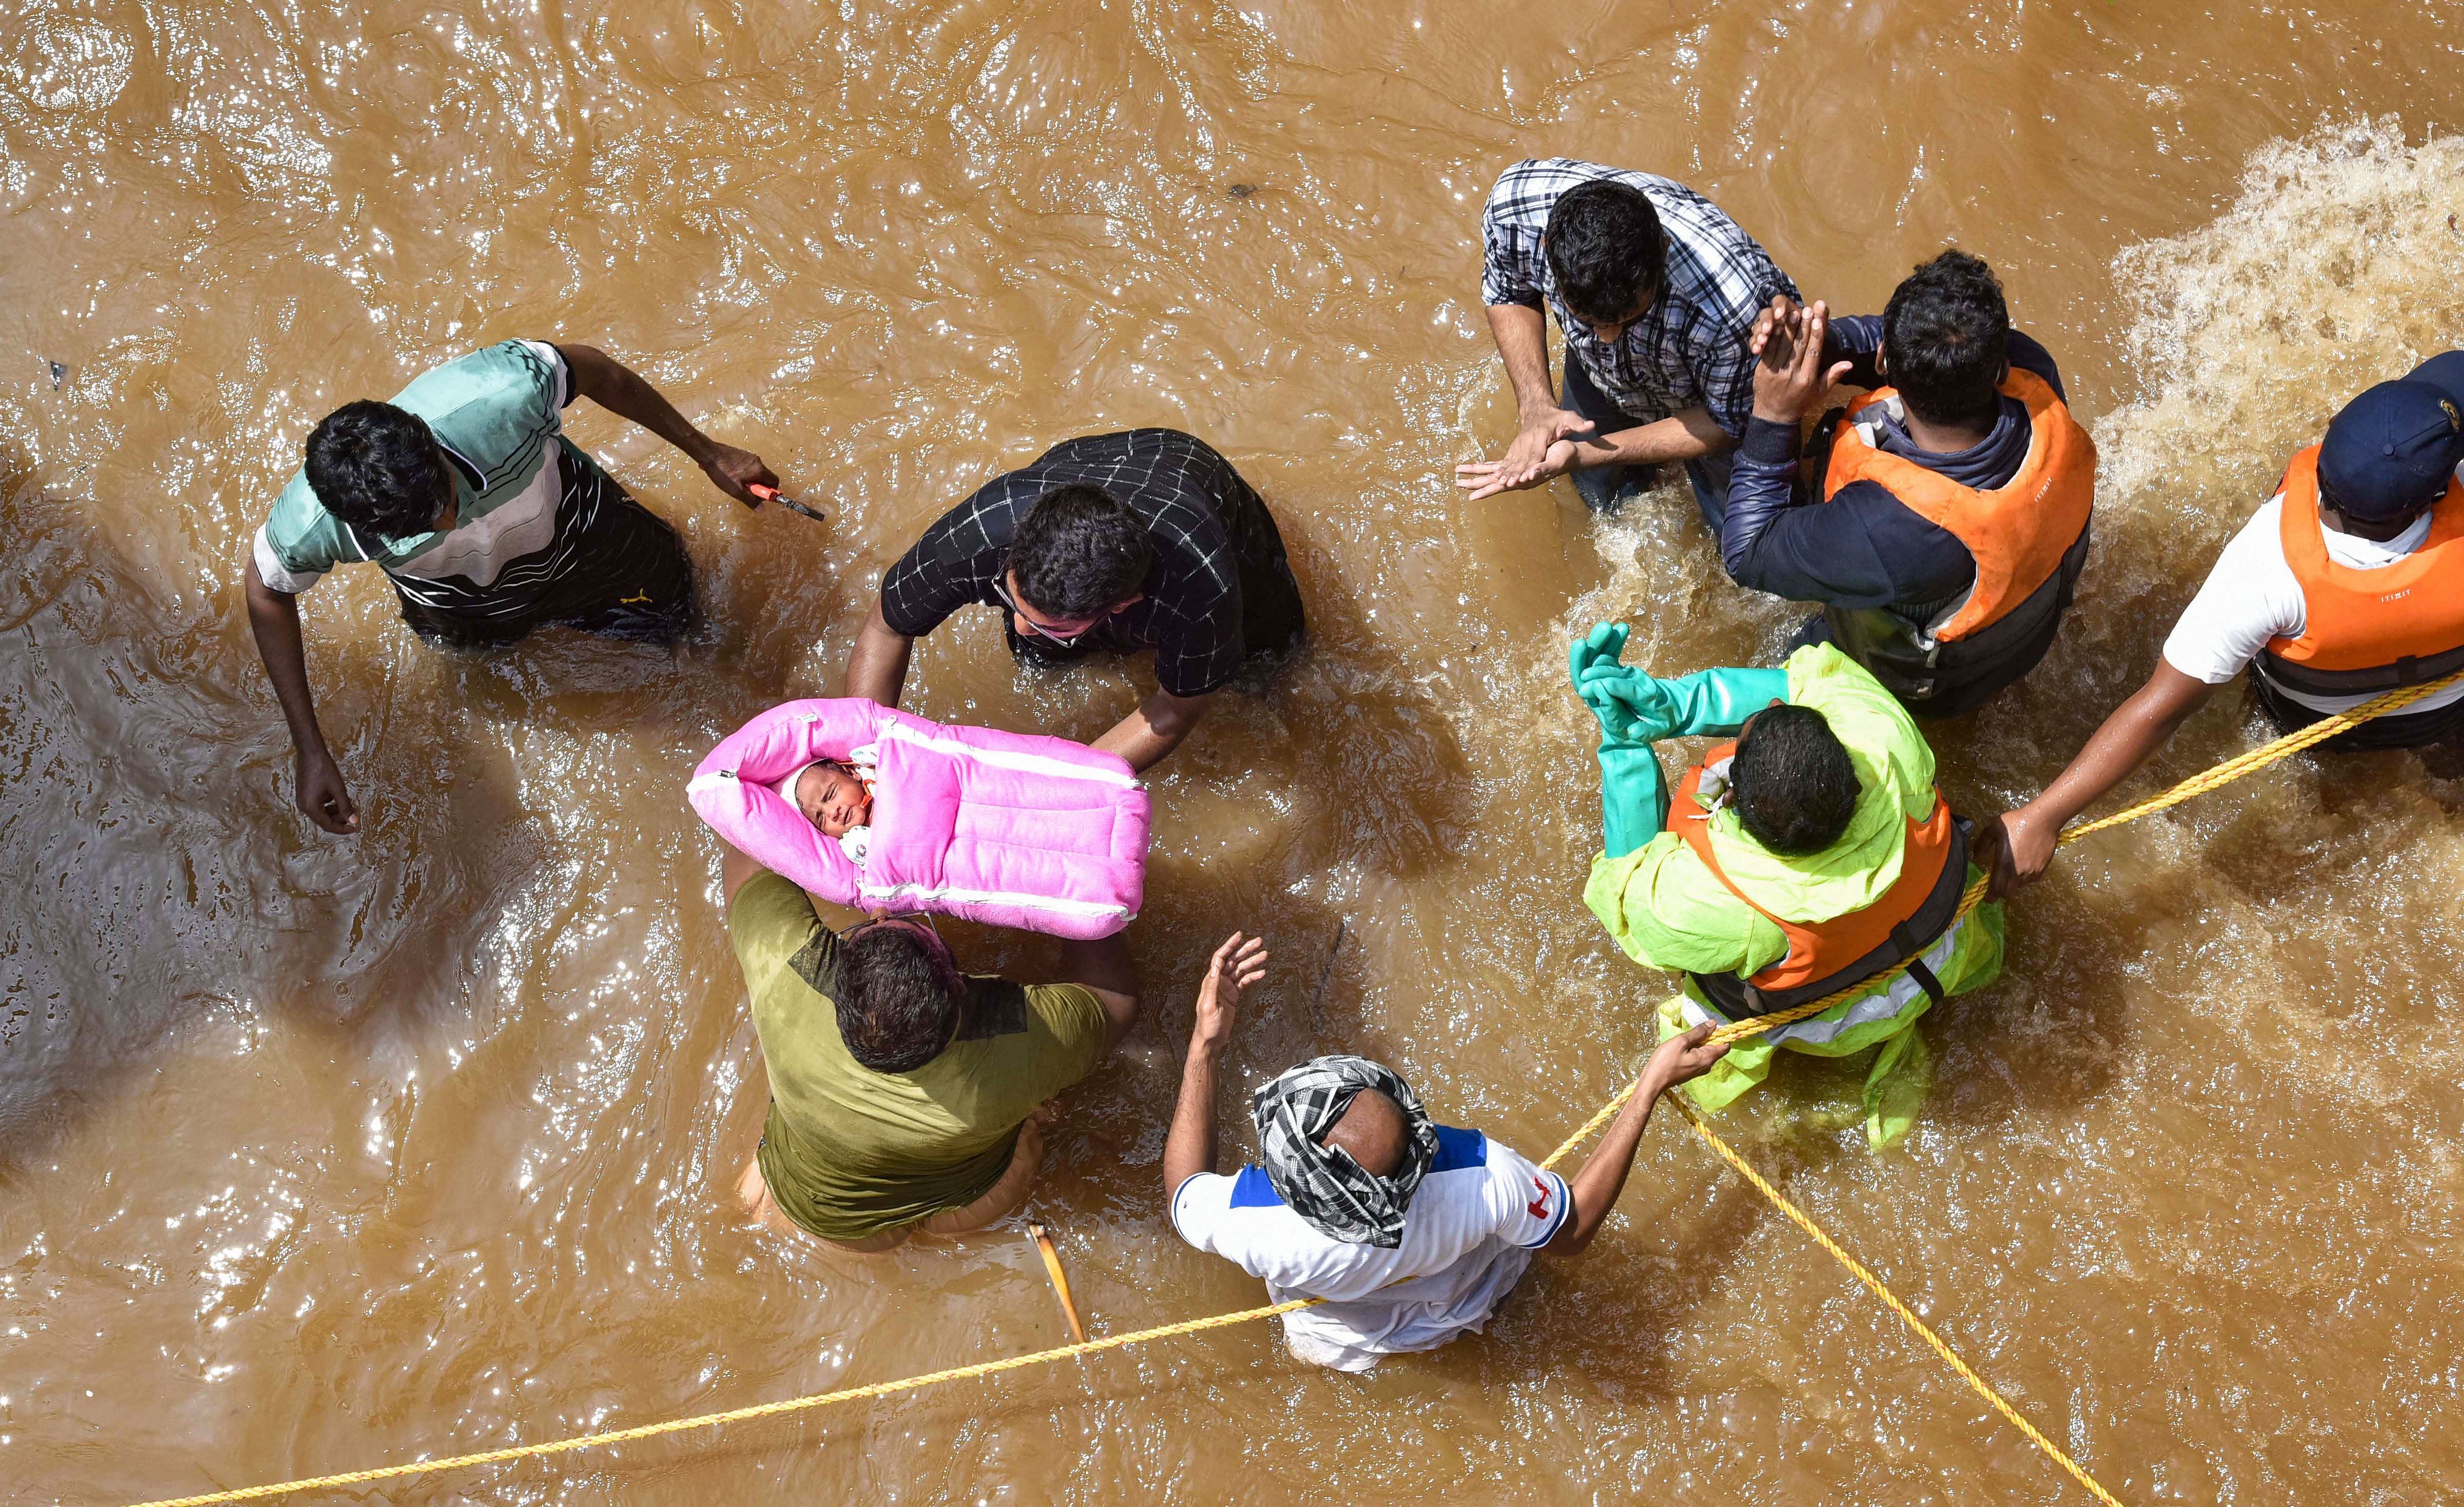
{"points": [[2391, 452]]}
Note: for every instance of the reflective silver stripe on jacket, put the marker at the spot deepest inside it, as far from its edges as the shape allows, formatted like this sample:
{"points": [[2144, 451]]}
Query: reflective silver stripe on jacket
{"points": [[1879, 1004]]}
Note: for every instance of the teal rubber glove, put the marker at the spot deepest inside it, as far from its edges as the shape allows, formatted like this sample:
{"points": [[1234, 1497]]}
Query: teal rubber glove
{"points": [[1600, 647], [1707, 703], [1634, 801], [1634, 795], [1627, 703]]}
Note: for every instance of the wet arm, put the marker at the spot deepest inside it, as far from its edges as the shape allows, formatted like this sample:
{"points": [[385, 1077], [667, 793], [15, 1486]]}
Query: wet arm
{"points": [[1189, 1150], [1684, 436], [274, 618], [623, 391], [736, 870], [1154, 728], [1522, 334], [877, 665], [1594, 1191], [1596, 1187], [1102, 966], [2137, 729]]}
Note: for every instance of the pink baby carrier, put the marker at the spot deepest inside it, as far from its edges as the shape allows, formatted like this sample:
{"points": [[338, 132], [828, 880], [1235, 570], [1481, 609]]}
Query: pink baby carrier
{"points": [[1006, 828]]}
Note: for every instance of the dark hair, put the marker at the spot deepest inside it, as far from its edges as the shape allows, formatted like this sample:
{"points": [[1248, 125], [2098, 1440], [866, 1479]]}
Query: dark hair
{"points": [[896, 1006], [1945, 340], [1795, 789], [1078, 552], [1606, 253], [376, 468]]}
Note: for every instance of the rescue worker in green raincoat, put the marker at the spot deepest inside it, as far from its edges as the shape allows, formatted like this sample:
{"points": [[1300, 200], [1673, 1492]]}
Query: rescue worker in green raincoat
{"points": [[1809, 854]]}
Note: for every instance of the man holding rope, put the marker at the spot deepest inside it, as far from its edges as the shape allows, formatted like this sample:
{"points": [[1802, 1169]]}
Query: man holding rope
{"points": [[1411, 1231], [2348, 584]]}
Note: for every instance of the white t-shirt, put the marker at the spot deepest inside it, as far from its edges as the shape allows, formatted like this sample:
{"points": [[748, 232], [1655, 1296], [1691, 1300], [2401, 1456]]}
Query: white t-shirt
{"points": [[1468, 1236], [2251, 596]]}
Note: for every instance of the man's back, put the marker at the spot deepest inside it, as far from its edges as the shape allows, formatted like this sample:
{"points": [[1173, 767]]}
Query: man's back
{"points": [[849, 1151], [1194, 506], [494, 411], [1468, 1236]]}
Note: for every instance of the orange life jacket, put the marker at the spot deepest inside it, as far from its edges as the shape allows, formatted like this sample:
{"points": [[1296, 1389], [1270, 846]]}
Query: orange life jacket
{"points": [[2019, 531], [2368, 630], [1824, 956]]}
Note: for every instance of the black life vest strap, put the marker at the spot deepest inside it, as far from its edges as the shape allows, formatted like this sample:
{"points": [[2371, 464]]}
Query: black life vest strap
{"points": [[2411, 669], [1911, 947]]}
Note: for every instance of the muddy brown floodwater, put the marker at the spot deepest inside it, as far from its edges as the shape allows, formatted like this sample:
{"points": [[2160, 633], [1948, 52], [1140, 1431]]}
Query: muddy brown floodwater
{"points": [[320, 1153]]}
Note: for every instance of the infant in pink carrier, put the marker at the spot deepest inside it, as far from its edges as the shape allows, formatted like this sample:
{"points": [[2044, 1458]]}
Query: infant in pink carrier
{"points": [[871, 807]]}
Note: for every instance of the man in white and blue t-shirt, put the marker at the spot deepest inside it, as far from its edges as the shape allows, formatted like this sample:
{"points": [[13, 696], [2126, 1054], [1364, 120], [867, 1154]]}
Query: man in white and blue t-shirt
{"points": [[1411, 1231], [488, 521]]}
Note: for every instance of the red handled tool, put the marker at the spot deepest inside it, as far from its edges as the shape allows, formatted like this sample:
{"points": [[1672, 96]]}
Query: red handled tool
{"points": [[774, 494]]}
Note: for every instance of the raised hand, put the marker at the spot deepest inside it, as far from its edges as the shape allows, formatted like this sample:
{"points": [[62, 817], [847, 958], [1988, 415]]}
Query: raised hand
{"points": [[1781, 318], [1789, 380], [1631, 704], [1238, 962], [1604, 644]]}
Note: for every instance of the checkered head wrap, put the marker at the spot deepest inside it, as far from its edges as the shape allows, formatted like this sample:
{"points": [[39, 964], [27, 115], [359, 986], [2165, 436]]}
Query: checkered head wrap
{"points": [[1336, 1195]]}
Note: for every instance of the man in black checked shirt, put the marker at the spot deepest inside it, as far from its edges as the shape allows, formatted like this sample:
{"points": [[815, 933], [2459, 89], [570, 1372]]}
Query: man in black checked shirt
{"points": [[1117, 543]]}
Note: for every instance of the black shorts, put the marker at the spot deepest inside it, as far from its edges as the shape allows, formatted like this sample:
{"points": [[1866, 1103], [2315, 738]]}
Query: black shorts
{"points": [[628, 578]]}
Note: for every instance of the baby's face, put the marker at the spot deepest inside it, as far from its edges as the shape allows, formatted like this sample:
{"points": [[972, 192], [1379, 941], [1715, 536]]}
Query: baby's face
{"points": [[832, 800]]}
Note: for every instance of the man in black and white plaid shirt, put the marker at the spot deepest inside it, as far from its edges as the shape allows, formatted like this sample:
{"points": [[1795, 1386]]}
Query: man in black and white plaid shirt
{"points": [[1656, 292], [1113, 542]]}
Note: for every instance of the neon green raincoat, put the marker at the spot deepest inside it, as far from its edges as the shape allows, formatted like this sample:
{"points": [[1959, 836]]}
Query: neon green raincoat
{"points": [[1667, 909]]}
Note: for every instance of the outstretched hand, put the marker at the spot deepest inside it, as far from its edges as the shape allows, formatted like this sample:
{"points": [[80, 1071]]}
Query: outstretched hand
{"points": [[1238, 962], [1681, 1059], [737, 472], [1789, 381], [2016, 848], [1543, 450]]}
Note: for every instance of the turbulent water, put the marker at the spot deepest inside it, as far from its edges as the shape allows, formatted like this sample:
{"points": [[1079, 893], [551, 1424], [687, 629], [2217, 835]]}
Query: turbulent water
{"points": [[321, 1154]]}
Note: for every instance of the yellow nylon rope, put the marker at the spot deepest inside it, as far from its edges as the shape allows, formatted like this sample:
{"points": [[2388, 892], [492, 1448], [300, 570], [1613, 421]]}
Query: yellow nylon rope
{"points": [[1924, 1331], [2230, 769]]}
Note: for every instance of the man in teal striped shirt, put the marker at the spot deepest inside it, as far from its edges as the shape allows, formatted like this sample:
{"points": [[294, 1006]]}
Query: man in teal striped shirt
{"points": [[487, 520]]}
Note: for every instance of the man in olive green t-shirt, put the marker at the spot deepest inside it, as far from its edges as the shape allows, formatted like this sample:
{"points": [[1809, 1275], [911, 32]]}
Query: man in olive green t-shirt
{"points": [[903, 1095]]}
